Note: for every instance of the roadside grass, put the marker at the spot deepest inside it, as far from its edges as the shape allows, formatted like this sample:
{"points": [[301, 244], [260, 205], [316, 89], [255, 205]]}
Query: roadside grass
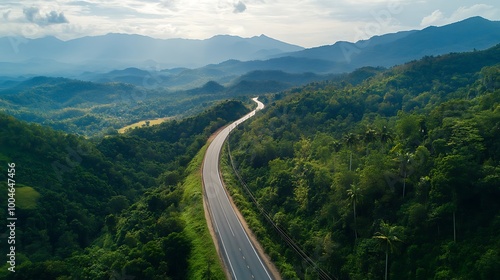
{"points": [[204, 263]]}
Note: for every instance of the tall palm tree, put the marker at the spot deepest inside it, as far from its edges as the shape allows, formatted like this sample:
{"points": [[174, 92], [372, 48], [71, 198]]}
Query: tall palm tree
{"points": [[388, 238], [370, 135], [406, 160], [354, 194], [405, 165], [350, 139], [385, 135]]}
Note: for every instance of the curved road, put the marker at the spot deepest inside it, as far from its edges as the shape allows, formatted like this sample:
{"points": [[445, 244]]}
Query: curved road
{"points": [[240, 256]]}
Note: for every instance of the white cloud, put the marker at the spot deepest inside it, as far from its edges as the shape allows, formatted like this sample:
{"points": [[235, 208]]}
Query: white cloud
{"points": [[436, 16], [305, 22], [461, 13], [483, 10]]}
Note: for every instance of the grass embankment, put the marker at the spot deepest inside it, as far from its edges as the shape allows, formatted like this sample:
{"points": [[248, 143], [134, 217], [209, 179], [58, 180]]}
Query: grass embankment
{"points": [[143, 123], [26, 197], [253, 218], [204, 262]]}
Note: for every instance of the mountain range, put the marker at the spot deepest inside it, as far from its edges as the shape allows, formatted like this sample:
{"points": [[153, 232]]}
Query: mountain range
{"points": [[475, 33], [397, 48], [114, 51], [183, 63]]}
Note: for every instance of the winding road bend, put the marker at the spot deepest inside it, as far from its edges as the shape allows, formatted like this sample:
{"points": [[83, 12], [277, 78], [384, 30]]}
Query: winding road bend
{"points": [[239, 254]]}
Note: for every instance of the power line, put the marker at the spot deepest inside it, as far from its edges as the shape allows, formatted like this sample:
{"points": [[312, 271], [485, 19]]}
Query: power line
{"points": [[283, 234]]}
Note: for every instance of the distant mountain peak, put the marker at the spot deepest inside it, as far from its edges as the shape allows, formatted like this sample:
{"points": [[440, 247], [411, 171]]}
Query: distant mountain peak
{"points": [[104, 53], [397, 48], [116, 34], [470, 22], [226, 36], [476, 18]]}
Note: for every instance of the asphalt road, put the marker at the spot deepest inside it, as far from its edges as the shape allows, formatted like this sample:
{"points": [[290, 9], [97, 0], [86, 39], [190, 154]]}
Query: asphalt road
{"points": [[240, 256]]}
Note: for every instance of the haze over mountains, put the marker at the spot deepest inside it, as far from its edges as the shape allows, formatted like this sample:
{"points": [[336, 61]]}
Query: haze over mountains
{"points": [[397, 48], [182, 63], [385, 50], [114, 51]]}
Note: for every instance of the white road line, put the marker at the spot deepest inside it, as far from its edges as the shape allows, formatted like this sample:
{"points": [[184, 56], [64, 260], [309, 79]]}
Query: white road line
{"points": [[225, 251], [229, 129], [246, 235], [225, 216], [253, 248]]}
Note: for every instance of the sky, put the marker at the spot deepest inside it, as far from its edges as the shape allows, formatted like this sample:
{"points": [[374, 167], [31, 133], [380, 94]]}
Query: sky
{"points": [[307, 23]]}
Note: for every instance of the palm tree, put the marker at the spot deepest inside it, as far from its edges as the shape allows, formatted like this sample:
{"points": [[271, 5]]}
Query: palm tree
{"points": [[385, 135], [388, 237], [350, 139], [405, 166], [405, 161], [370, 135], [355, 195]]}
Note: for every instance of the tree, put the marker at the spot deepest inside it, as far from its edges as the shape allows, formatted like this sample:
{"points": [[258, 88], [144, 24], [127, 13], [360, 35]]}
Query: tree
{"points": [[409, 129], [385, 135], [350, 139], [406, 164], [389, 237], [450, 184], [354, 194], [117, 204], [177, 247], [370, 135], [405, 160]]}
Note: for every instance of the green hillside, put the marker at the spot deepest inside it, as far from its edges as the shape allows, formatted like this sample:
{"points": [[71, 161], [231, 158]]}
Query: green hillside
{"points": [[108, 208], [96, 109], [91, 109], [401, 171]]}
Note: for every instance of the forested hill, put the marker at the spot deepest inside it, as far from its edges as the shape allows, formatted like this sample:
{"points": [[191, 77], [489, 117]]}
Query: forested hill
{"points": [[403, 167], [106, 209]]}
